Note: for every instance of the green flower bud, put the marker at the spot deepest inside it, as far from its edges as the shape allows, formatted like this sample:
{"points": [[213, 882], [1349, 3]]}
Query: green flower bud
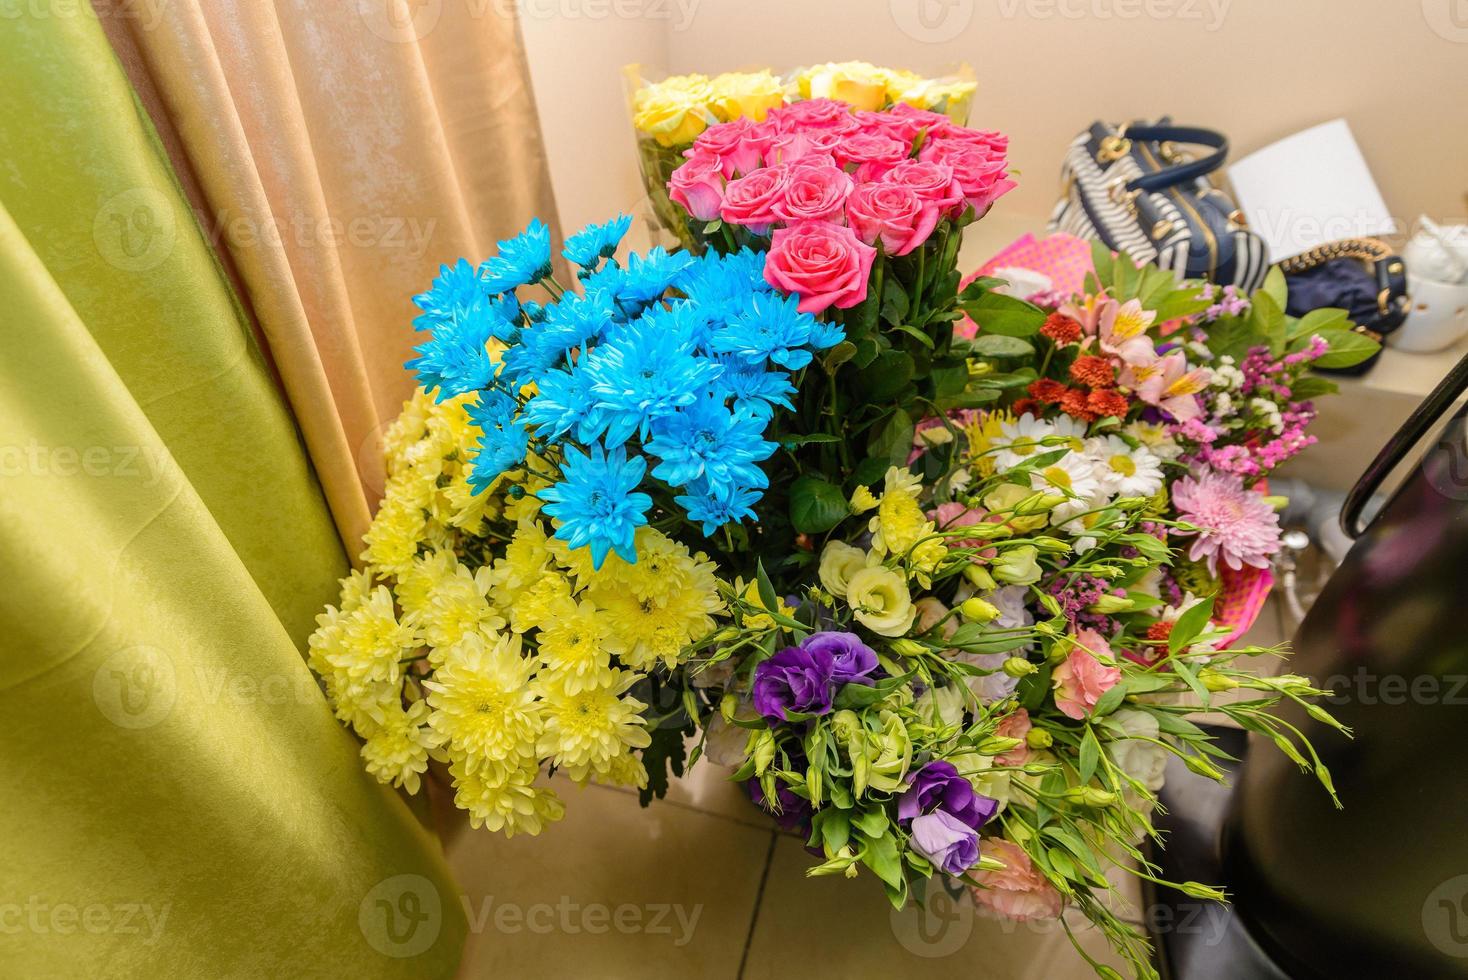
{"points": [[1203, 767], [1089, 796], [1018, 566], [1038, 738], [979, 578], [1050, 545], [1108, 604], [1019, 667], [764, 751], [1278, 503], [907, 648], [1195, 889], [997, 745], [728, 705], [1214, 681], [977, 610]]}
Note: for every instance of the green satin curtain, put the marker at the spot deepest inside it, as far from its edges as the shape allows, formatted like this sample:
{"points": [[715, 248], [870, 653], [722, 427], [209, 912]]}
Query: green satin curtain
{"points": [[178, 800]]}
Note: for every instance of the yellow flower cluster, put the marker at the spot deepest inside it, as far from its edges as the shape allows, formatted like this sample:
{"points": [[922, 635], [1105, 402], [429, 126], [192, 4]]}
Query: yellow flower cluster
{"points": [[675, 110], [473, 638]]}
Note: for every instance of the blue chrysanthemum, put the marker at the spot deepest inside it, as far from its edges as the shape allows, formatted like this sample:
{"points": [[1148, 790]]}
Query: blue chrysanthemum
{"points": [[593, 243], [564, 403], [522, 260], [638, 376], [648, 277], [456, 359], [500, 448], [596, 503], [457, 293], [754, 390], [715, 506], [770, 328], [707, 441]]}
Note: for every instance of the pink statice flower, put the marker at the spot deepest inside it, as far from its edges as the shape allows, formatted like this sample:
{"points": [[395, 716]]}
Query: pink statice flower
{"points": [[1234, 524]]}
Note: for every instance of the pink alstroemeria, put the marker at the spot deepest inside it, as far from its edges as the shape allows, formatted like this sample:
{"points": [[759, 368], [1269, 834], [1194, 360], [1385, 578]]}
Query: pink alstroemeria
{"points": [[1168, 383], [1120, 328]]}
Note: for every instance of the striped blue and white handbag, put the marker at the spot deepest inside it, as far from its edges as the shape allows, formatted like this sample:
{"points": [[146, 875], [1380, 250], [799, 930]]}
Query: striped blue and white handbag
{"points": [[1135, 190]]}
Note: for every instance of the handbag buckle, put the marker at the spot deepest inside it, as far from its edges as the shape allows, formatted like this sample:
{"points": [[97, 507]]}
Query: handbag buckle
{"points": [[1113, 148], [1117, 191]]}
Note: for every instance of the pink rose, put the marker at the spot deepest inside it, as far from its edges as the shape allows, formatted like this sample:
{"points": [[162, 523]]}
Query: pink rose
{"points": [[995, 142], [983, 177], [903, 121], [739, 145], [1017, 726], [824, 264], [1020, 891], [871, 154], [890, 213], [1081, 679], [813, 114], [698, 185], [934, 185], [797, 147], [813, 193], [749, 201]]}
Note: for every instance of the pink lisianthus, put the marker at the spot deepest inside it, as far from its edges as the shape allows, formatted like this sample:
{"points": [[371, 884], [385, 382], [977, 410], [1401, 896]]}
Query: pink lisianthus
{"points": [[889, 213], [1234, 524], [983, 177], [824, 264], [814, 193], [698, 185], [750, 201], [1015, 725], [739, 145], [1081, 678], [1169, 384], [1020, 892], [935, 187]]}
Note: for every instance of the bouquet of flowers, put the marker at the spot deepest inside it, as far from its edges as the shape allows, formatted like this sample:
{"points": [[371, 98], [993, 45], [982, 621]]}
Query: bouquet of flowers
{"points": [[937, 571], [669, 115]]}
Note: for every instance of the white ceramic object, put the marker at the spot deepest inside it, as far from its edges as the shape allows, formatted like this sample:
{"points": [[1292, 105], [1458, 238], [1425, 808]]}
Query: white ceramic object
{"points": [[1439, 316], [1023, 282]]}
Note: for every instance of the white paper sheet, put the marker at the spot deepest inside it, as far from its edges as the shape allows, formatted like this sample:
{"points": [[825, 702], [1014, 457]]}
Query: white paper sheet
{"points": [[1308, 189]]}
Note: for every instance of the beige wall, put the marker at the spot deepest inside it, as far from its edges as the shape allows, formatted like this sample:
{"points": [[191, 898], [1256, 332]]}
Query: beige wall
{"points": [[1257, 69]]}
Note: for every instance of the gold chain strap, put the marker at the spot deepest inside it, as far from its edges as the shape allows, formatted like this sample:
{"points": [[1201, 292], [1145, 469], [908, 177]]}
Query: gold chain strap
{"points": [[1364, 249]]}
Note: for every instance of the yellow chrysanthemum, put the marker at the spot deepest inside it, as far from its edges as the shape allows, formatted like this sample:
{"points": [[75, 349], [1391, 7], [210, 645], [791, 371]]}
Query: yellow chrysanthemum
{"points": [[407, 430], [373, 642], [504, 799], [575, 646], [645, 632], [358, 700], [899, 522], [624, 770], [664, 568], [356, 588], [586, 730], [392, 540], [456, 605], [982, 431], [416, 583], [396, 749], [546, 600], [483, 706]]}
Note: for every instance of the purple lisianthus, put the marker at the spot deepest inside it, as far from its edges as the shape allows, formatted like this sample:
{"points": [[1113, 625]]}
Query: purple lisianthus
{"points": [[951, 844], [938, 787], [794, 811], [851, 659], [795, 680]]}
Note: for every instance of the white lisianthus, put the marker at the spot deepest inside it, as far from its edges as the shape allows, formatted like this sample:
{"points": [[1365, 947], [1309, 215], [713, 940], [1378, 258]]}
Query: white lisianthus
{"points": [[979, 770], [840, 561], [1144, 761], [943, 705], [879, 598]]}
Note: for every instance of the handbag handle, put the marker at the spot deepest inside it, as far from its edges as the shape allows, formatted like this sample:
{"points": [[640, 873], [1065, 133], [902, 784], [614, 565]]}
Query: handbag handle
{"points": [[1422, 419], [1182, 172]]}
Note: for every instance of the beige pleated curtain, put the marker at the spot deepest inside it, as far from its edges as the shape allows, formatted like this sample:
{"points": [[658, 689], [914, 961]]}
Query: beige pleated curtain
{"points": [[338, 152]]}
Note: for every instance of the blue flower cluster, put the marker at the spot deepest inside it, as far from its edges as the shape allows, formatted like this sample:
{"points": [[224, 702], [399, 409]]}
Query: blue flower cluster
{"points": [[661, 374]]}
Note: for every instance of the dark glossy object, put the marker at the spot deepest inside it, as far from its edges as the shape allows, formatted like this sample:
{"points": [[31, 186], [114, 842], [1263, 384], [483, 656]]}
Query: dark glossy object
{"points": [[1381, 887]]}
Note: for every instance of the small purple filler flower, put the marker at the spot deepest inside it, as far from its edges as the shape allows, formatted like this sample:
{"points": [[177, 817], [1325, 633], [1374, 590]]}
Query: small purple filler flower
{"points": [[947, 841], [939, 787], [851, 659], [804, 679]]}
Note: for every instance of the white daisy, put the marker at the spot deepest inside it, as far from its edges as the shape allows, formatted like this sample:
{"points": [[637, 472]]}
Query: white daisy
{"points": [[1073, 429], [1154, 436], [1074, 476], [1019, 440], [1125, 470]]}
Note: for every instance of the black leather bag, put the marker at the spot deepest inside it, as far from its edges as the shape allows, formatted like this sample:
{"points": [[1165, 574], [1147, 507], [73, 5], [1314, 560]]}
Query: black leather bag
{"points": [[1363, 276]]}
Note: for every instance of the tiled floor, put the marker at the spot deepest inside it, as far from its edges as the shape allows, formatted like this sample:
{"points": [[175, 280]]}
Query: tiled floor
{"points": [[699, 885]]}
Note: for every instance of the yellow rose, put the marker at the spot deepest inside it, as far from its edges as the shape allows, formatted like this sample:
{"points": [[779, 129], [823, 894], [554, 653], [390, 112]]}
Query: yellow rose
{"points": [[673, 111], [746, 95], [879, 598], [862, 85]]}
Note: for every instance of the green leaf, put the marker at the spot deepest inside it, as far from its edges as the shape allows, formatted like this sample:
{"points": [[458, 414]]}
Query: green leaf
{"points": [[839, 354], [1268, 320], [894, 302], [1312, 386], [1001, 345], [767, 595], [882, 857], [663, 754], [1275, 287], [1090, 755], [998, 313], [1104, 264], [1189, 625], [816, 505], [870, 820], [1325, 318], [892, 441], [1347, 348], [814, 437], [912, 331], [887, 375], [1111, 700]]}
